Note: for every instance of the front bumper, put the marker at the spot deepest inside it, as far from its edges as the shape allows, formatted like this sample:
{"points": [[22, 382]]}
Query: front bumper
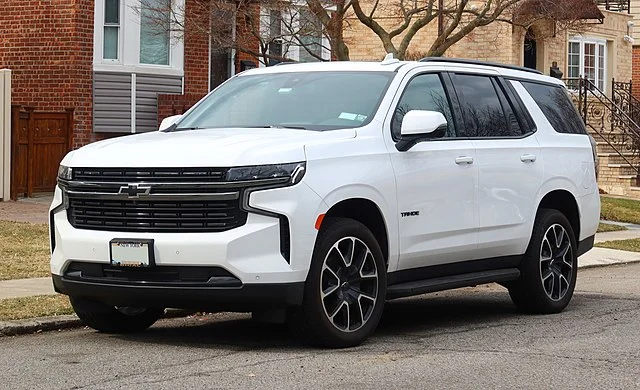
{"points": [[251, 252], [247, 297]]}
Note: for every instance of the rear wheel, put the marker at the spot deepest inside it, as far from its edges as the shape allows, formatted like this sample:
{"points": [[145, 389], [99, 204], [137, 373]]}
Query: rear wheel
{"points": [[346, 287], [114, 319], [549, 267]]}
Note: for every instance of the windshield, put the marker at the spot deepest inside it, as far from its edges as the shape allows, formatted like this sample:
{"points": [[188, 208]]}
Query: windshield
{"points": [[304, 100]]}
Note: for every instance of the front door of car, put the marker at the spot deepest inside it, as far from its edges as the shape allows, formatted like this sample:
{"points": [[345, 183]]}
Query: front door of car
{"points": [[436, 181], [508, 159]]}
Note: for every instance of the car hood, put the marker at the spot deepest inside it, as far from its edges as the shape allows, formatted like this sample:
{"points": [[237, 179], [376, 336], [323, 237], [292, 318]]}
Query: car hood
{"points": [[207, 147]]}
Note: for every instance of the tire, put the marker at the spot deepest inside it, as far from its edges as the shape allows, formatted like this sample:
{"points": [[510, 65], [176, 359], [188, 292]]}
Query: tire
{"points": [[343, 300], [111, 319], [548, 271]]}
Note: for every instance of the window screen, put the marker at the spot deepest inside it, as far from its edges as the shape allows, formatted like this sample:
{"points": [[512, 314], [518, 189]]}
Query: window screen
{"points": [[556, 105]]}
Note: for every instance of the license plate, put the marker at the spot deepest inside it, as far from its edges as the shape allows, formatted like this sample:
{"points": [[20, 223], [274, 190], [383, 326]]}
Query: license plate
{"points": [[131, 253]]}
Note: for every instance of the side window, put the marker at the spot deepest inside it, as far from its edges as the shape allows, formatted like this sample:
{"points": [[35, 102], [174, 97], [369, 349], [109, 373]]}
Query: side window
{"points": [[424, 92], [485, 108], [557, 107]]}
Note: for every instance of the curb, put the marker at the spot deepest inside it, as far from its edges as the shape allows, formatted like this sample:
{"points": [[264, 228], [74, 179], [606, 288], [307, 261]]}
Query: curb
{"points": [[44, 324], [40, 324]]}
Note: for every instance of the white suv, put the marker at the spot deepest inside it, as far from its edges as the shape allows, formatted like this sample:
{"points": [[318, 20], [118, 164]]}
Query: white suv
{"points": [[316, 192]]}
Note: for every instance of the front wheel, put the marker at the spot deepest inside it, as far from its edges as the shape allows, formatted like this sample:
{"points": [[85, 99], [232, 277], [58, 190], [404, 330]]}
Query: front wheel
{"points": [[549, 267], [345, 289], [114, 319]]}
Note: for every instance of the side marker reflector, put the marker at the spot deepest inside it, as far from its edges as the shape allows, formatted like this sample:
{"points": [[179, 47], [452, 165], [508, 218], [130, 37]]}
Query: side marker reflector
{"points": [[319, 221]]}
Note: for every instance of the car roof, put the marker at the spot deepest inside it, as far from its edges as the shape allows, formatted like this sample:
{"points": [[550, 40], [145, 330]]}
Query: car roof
{"points": [[507, 71]]}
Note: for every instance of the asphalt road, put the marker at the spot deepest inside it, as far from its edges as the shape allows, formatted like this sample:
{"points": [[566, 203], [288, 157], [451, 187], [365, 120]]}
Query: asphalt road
{"points": [[471, 338]]}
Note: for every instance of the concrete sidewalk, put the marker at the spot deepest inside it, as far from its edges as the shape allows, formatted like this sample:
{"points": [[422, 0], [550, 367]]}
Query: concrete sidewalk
{"points": [[19, 288], [594, 258]]}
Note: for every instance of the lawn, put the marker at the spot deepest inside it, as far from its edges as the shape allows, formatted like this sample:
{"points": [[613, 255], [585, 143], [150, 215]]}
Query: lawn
{"points": [[621, 210], [632, 245], [30, 307], [24, 250], [609, 227]]}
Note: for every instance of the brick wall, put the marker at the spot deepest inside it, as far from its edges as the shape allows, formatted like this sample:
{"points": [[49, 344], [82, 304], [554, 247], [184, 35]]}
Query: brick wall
{"points": [[636, 71], [49, 47]]}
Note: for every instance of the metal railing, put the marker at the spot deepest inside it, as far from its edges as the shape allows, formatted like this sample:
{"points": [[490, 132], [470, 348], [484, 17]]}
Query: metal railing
{"points": [[622, 95], [615, 5], [615, 120]]}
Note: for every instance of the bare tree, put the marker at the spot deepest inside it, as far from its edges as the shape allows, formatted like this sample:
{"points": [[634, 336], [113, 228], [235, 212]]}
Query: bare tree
{"points": [[269, 30], [456, 18]]}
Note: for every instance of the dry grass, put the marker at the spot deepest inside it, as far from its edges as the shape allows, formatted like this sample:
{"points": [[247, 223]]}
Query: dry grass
{"points": [[621, 210], [609, 227], [24, 250], [30, 307], [632, 245]]}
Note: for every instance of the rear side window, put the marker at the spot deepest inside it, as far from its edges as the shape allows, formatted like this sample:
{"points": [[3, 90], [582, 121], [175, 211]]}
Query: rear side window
{"points": [[486, 111], [556, 105]]}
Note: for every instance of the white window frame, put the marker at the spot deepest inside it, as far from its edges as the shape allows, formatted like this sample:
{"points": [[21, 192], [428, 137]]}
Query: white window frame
{"points": [[103, 24], [129, 49], [601, 48], [291, 51]]}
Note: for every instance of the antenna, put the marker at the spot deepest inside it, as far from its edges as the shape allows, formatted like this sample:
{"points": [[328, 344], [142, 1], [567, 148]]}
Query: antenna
{"points": [[388, 59]]}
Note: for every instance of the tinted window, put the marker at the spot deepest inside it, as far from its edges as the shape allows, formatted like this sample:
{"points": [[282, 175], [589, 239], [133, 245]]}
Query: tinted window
{"points": [[556, 105], [307, 100], [485, 108], [424, 92]]}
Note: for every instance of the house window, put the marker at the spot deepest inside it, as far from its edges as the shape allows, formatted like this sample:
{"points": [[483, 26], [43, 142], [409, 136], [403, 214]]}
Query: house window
{"points": [[310, 36], [587, 58], [111, 30], [155, 20], [294, 33], [275, 36]]}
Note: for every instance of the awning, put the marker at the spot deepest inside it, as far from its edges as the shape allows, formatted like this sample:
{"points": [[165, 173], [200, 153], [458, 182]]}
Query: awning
{"points": [[561, 10]]}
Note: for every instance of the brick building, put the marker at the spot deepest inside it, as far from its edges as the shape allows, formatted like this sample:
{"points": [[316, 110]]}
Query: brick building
{"points": [[601, 40], [107, 60], [102, 59]]}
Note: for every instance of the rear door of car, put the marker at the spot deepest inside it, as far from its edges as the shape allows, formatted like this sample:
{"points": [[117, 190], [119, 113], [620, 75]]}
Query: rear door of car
{"points": [[508, 158]]}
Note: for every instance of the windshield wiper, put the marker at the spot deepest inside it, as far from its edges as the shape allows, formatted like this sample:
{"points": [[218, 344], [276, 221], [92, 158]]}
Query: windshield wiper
{"points": [[174, 127], [283, 127]]}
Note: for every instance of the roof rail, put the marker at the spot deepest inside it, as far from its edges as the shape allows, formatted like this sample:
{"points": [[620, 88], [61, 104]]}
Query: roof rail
{"points": [[476, 62]]}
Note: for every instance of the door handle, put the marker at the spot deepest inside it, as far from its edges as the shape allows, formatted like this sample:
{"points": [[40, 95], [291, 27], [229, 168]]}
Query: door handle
{"points": [[464, 160], [528, 158]]}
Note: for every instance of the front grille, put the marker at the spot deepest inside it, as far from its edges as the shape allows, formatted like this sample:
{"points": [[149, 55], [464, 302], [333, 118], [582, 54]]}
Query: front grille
{"points": [[167, 216], [156, 175]]}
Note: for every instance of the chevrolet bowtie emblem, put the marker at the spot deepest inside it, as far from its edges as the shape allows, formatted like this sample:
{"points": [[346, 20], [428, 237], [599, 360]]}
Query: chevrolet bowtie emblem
{"points": [[134, 190]]}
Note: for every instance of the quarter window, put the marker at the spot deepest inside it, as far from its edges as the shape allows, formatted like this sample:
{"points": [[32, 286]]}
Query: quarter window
{"points": [[557, 107], [486, 110], [111, 30], [424, 92]]}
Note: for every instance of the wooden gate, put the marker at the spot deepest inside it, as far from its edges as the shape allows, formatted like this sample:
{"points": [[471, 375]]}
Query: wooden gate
{"points": [[39, 141]]}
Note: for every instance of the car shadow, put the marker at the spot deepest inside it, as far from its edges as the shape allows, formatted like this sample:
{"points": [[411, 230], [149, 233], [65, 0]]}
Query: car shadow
{"points": [[410, 316]]}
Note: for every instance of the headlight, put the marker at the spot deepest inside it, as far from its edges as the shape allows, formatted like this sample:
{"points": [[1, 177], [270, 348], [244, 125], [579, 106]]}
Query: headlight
{"points": [[65, 173], [293, 171]]}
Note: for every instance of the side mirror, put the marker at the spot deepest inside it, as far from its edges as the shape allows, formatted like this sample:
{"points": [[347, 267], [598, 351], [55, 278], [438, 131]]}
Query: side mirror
{"points": [[168, 121], [419, 125]]}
